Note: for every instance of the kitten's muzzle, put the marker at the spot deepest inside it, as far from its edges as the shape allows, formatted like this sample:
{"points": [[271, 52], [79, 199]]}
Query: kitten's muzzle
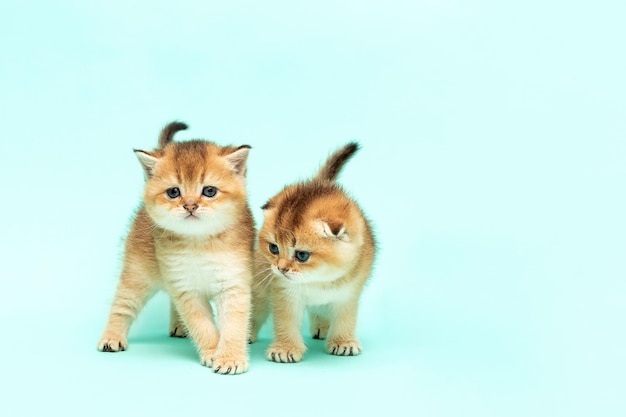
{"points": [[190, 207], [281, 270], [283, 265]]}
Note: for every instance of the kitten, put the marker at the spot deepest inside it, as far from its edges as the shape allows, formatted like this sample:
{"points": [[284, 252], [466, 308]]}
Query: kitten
{"points": [[193, 237], [315, 252]]}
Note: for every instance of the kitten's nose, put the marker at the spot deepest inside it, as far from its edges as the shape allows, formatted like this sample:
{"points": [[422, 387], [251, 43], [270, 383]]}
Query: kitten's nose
{"points": [[283, 265], [190, 207]]}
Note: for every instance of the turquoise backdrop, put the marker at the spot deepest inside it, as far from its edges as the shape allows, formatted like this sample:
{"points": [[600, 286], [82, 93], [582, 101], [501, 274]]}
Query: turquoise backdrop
{"points": [[492, 166]]}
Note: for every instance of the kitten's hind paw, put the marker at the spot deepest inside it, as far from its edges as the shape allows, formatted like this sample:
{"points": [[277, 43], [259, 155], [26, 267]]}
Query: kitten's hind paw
{"points": [[206, 358], [319, 332], [319, 327], [253, 336], [179, 331], [343, 347], [284, 354], [112, 344]]}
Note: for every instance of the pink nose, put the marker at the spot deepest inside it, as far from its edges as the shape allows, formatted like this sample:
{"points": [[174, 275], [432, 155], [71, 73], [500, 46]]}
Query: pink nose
{"points": [[190, 207], [283, 265]]}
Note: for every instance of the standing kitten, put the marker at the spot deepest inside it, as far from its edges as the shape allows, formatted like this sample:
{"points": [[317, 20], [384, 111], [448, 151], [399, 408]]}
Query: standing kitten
{"points": [[315, 252], [193, 237]]}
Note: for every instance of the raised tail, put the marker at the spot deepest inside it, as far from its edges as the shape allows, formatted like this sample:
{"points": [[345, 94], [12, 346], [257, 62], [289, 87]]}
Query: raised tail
{"points": [[331, 169], [168, 132]]}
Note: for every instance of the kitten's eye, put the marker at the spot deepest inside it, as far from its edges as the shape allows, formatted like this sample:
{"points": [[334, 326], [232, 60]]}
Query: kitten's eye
{"points": [[274, 249], [302, 256], [209, 191], [173, 192]]}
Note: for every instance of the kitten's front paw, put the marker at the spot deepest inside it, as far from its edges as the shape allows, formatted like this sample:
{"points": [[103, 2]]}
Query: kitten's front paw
{"points": [[112, 343], [344, 347], [178, 331], [230, 364], [206, 357], [284, 353]]}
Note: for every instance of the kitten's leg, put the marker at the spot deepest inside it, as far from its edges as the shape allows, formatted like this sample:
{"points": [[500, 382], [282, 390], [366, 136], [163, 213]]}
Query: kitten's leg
{"points": [[341, 338], [177, 327], [195, 310], [288, 313], [261, 306], [233, 314], [318, 323], [132, 294]]}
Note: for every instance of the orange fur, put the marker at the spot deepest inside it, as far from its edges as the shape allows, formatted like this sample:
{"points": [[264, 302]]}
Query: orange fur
{"points": [[317, 218], [196, 247]]}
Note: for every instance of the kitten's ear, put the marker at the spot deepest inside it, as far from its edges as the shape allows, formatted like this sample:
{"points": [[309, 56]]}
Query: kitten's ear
{"points": [[147, 160], [237, 160], [269, 211], [267, 207], [332, 230]]}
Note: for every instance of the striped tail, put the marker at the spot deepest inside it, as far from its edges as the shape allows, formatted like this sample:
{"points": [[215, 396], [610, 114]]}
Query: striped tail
{"points": [[167, 134], [331, 169]]}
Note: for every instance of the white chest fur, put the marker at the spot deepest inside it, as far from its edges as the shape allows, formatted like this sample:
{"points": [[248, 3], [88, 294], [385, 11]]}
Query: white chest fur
{"points": [[316, 295], [208, 273]]}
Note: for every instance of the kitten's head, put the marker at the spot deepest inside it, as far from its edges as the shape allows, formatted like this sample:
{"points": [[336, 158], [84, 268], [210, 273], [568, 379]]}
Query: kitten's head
{"points": [[195, 187], [312, 232]]}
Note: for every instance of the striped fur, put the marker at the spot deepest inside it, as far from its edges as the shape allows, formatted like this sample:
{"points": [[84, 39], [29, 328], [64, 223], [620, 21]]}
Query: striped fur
{"points": [[319, 218], [196, 247]]}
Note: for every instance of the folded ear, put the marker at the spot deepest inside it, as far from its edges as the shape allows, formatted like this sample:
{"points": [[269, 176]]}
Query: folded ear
{"points": [[147, 161], [332, 230], [267, 207], [237, 160]]}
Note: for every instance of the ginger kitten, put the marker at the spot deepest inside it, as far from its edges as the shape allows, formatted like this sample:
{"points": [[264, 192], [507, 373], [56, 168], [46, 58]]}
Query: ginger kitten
{"points": [[193, 237], [315, 253]]}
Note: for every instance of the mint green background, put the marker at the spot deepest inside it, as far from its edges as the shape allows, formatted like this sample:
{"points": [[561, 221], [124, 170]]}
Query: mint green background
{"points": [[493, 167]]}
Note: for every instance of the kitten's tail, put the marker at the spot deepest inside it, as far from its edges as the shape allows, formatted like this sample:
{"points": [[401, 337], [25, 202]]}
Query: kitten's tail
{"points": [[331, 169], [167, 134]]}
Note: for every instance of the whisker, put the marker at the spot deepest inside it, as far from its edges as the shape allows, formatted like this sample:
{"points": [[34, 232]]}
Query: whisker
{"points": [[264, 282]]}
